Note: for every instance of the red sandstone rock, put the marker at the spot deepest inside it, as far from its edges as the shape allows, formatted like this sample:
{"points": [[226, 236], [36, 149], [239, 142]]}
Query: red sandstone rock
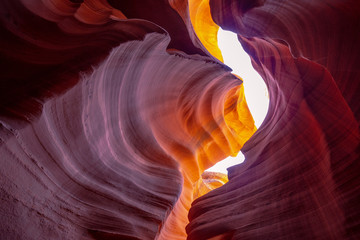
{"points": [[300, 179], [110, 111], [112, 152]]}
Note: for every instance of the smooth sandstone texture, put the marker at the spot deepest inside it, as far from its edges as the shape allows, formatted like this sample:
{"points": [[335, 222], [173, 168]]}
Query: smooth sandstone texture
{"points": [[300, 179], [110, 112], [110, 127], [106, 149]]}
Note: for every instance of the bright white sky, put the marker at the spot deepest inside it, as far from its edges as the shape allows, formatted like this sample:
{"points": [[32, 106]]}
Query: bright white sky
{"points": [[255, 89]]}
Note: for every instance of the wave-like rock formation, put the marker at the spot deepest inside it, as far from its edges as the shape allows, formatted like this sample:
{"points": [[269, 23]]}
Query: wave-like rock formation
{"points": [[110, 111], [301, 175]]}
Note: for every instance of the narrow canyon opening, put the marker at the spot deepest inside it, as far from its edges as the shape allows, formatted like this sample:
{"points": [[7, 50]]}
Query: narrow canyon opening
{"points": [[256, 92]]}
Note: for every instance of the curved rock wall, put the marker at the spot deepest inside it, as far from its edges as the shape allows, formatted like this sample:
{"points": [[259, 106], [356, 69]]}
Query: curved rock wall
{"points": [[300, 177], [111, 110]]}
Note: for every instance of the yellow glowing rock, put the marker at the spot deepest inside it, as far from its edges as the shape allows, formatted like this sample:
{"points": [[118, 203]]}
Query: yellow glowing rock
{"points": [[204, 26], [238, 119]]}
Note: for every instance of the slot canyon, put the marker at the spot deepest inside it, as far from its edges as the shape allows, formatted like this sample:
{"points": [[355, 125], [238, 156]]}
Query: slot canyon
{"points": [[112, 110]]}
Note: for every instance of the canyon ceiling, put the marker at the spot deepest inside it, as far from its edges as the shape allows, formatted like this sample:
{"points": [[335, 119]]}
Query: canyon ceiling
{"points": [[110, 111]]}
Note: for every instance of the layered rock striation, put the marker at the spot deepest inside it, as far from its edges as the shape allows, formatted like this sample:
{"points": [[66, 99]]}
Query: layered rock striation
{"points": [[300, 177], [110, 111]]}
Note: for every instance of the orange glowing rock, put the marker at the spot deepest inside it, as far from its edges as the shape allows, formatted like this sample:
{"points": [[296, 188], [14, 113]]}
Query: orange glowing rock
{"points": [[238, 119], [239, 122], [182, 113], [209, 181]]}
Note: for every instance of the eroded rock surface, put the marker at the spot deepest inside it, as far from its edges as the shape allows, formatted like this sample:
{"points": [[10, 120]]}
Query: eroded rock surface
{"points": [[300, 177], [110, 111]]}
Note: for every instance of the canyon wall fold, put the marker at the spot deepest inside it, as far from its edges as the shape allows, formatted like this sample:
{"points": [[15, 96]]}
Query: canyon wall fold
{"points": [[110, 111], [300, 178], [105, 127]]}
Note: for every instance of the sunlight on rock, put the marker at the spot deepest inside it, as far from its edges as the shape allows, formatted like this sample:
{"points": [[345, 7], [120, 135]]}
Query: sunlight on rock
{"points": [[226, 163], [256, 92]]}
